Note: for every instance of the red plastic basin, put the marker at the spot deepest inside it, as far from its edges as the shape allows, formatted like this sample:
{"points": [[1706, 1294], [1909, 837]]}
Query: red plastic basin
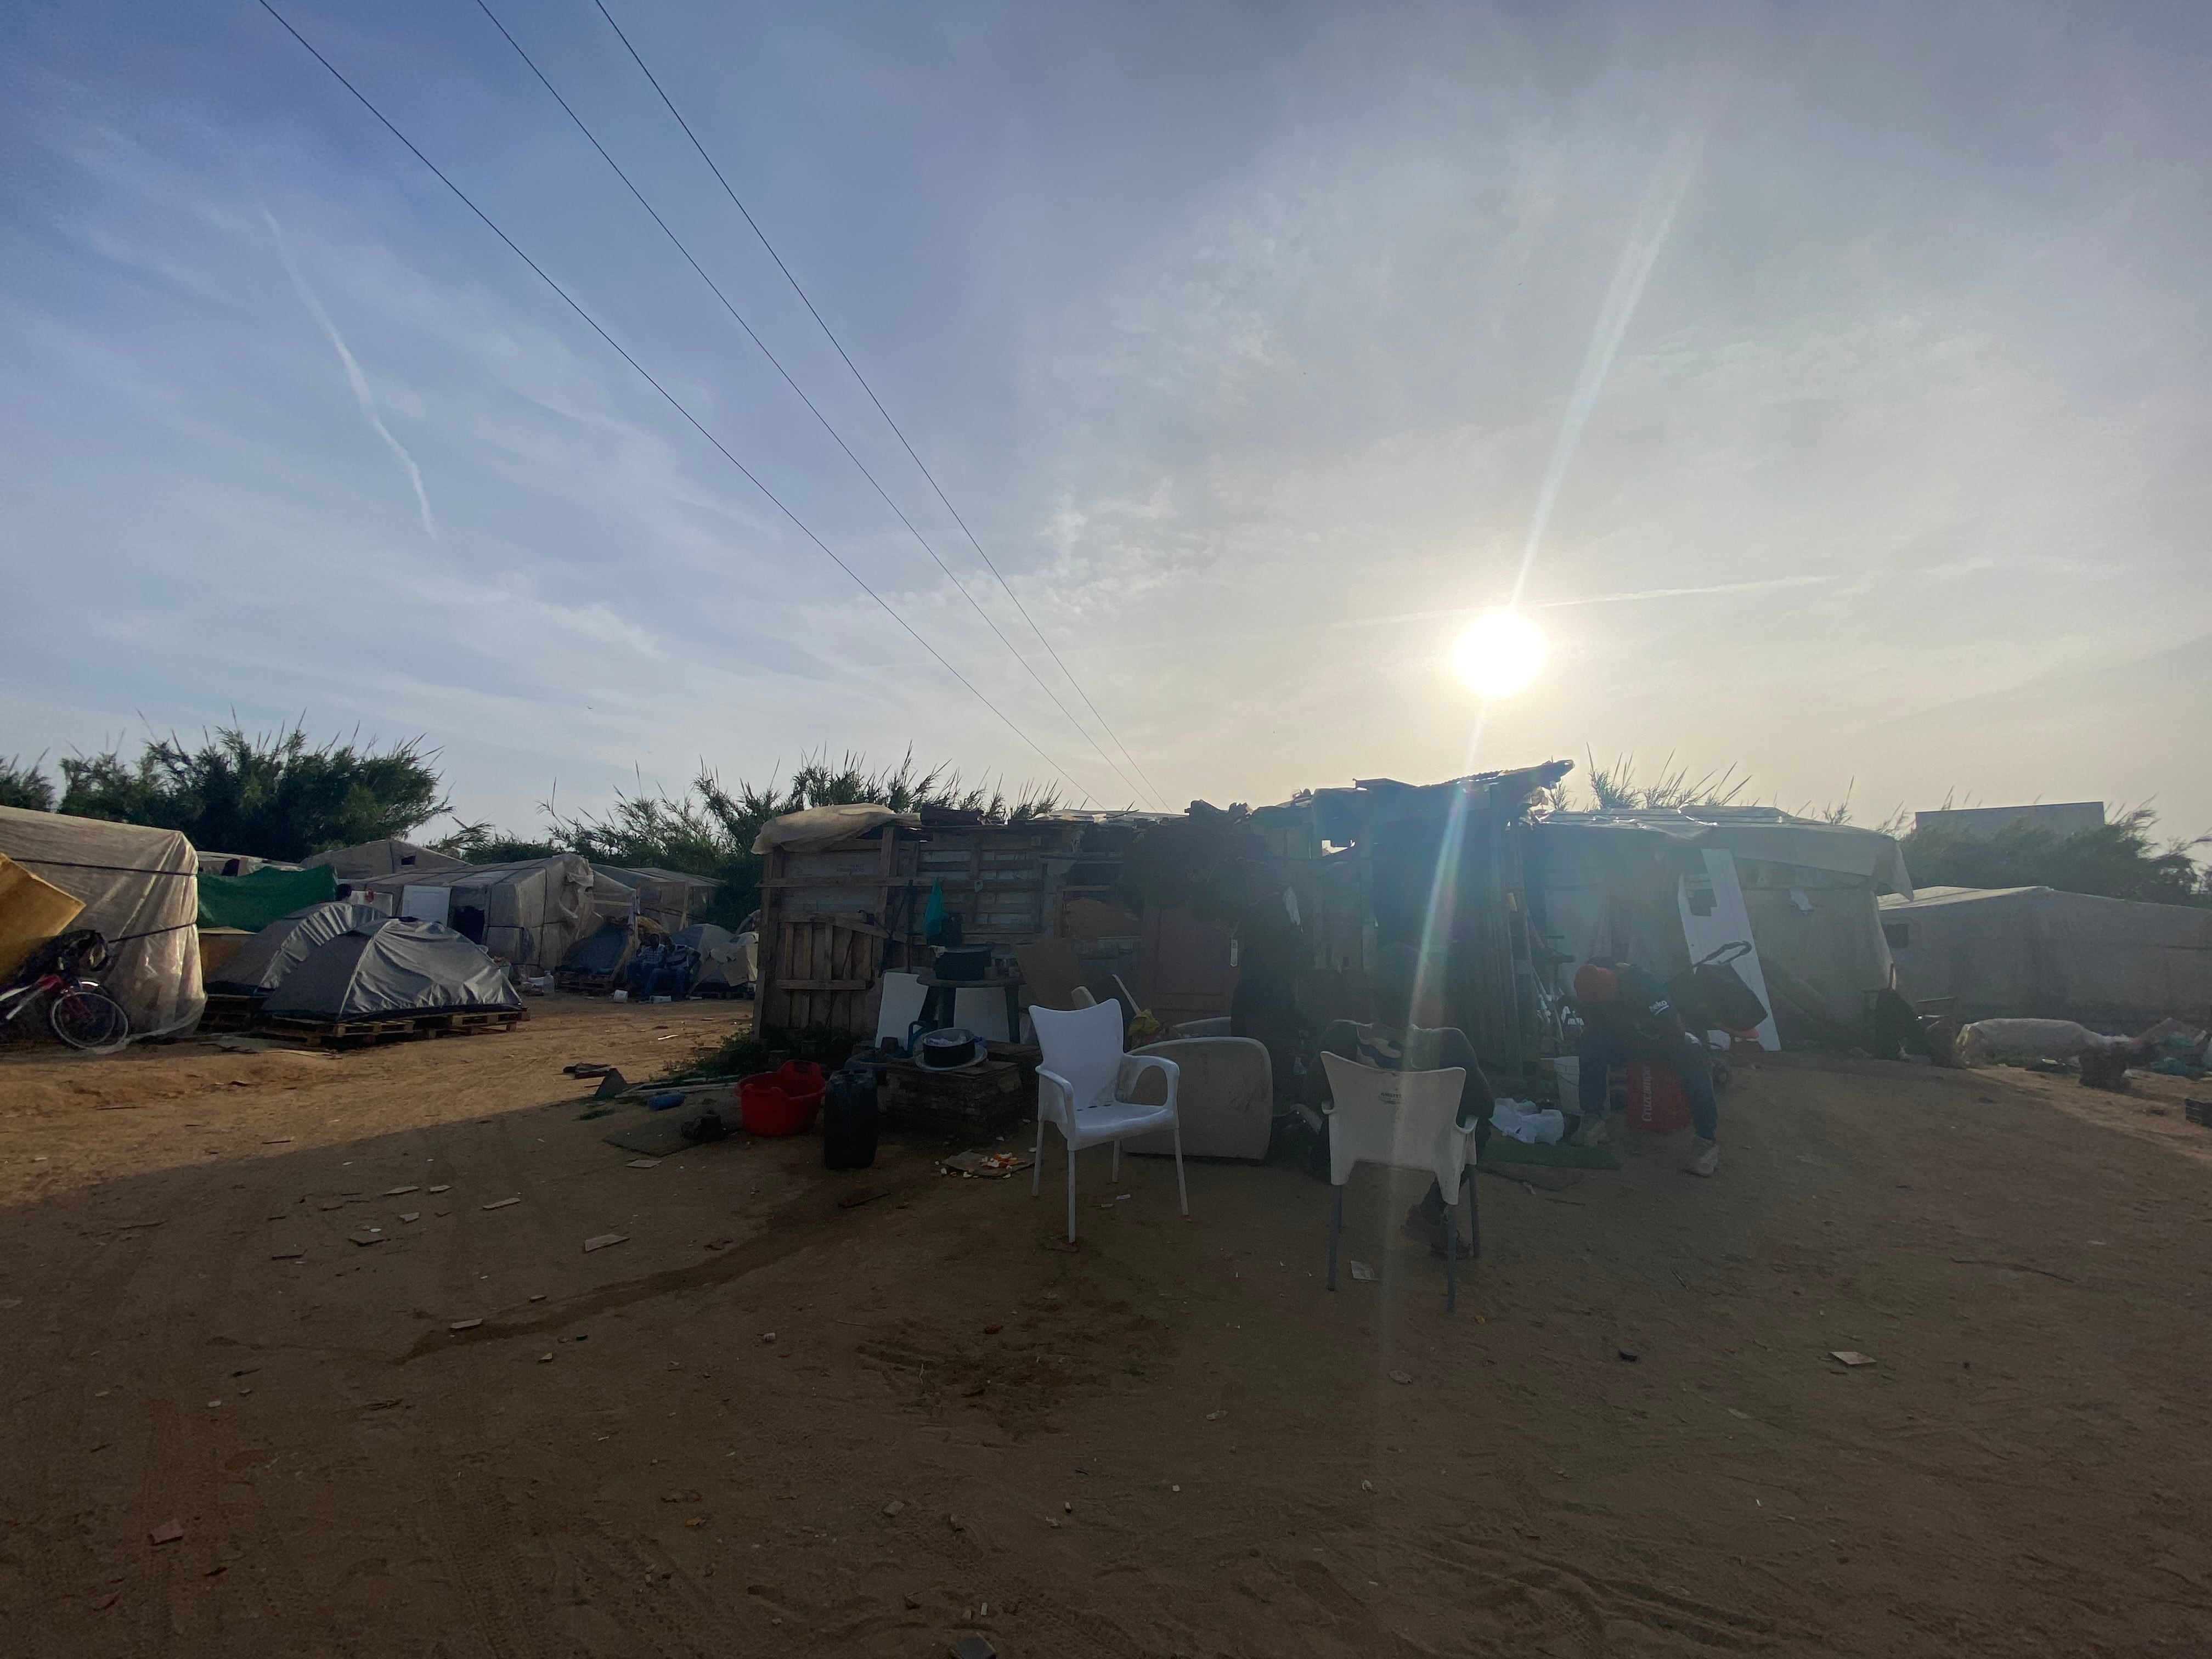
{"points": [[782, 1102]]}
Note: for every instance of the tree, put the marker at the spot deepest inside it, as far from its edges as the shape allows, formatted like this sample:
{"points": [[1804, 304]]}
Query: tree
{"points": [[2119, 860], [271, 797], [26, 786]]}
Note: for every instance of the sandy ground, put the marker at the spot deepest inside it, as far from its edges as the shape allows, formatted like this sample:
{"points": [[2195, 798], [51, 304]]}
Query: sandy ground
{"points": [[1169, 1440]]}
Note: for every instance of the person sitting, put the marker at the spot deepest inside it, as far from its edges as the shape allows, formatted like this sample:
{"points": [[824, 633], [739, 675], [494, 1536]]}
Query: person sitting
{"points": [[1408, 1035], [1626, 1016]]}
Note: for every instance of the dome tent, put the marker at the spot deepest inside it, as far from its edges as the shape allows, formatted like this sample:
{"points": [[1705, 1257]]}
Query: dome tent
{"points": [[391, 967], [263, 962]]}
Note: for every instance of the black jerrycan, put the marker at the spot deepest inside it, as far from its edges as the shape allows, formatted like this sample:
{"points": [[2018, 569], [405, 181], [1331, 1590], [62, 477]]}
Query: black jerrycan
{"points": [[849, 1120]]}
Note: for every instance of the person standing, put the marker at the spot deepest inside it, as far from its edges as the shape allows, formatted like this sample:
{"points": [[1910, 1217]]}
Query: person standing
{"points": [[1627, 1016]]}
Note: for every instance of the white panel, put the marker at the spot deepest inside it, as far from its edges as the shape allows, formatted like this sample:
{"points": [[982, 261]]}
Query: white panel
{"points": [[1713, 914]]}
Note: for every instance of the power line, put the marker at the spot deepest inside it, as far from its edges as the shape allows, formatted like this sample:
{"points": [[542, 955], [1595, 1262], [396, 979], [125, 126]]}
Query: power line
{"points": [[668, 395], [832, 337], [812, 407]]}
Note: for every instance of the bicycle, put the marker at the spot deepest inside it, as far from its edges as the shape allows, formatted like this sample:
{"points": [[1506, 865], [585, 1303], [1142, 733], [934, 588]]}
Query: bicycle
{"points": [[78, 1009]]}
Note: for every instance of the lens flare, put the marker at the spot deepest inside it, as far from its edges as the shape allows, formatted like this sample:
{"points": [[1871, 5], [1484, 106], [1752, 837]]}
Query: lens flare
{"points": [[1498, 654]]}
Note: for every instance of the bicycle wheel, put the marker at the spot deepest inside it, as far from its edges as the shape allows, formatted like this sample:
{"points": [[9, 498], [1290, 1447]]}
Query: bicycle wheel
{"points": [[87, 1019]]}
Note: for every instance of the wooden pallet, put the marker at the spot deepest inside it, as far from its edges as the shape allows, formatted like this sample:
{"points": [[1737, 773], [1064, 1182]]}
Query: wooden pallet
{"points": [[398, 1028], [228, 1013]]}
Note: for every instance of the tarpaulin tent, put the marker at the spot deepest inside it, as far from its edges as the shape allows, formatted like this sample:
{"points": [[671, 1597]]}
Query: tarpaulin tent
{"points": [[2035, 952], [1609, 883], [669, 897], [391, 967], [372, 860], [140, 889], [727, 961], [252, 901], [531, 912], [259, 965]]}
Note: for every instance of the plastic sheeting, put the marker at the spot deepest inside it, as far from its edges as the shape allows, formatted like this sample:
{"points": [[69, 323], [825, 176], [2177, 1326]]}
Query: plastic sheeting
{"points": [[252, 901], [374, 859], [32, 912], [140, 889], [261, 964], [392, 968], [532, 913], [2036, 953], [818, 827], [1608, 884]]}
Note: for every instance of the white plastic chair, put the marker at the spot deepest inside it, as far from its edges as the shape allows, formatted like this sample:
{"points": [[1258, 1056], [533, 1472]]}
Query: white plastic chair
{"points": [[1079, 1086], [1407, 1121]]}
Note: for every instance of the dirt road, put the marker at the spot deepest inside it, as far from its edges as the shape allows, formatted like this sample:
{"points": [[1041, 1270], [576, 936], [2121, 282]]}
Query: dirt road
{"points": [[1169, 1440]]}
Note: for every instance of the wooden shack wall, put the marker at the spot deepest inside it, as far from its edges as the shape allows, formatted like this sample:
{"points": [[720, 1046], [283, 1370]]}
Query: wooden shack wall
{"points": [[835, 919]]}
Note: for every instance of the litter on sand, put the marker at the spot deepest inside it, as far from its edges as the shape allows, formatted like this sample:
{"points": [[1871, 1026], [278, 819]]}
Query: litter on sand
{"points": [[1363, 1274], [464, 1324], [1851, 1356], [1401, 1377], [601, 1241], [499, 1203], [400, 1192], [438, 1190], [167, 1532], [645, 1164], [991, 1166], [410, 1215]]}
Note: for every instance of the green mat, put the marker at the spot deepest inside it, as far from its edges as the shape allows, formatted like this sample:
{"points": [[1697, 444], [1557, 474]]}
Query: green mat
{"points": [[1504, 1150]]}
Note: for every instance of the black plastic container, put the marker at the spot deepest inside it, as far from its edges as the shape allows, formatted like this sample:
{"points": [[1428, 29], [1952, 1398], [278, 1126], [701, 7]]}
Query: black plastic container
{"points": [[849, 1120]]}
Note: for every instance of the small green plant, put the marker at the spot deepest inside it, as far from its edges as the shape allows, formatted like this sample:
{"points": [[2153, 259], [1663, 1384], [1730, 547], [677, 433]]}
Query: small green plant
{"points": [[26, 786]]}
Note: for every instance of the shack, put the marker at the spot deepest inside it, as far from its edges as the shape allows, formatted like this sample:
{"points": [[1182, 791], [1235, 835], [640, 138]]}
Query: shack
{"points": [[2112, 964]]}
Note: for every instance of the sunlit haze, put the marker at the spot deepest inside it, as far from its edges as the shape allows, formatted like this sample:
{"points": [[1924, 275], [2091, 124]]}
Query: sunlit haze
{"points": [[1825, 387]]}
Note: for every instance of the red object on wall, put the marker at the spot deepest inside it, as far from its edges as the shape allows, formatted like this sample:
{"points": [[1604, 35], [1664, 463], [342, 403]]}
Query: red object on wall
{"points": [[1657, 1100]]}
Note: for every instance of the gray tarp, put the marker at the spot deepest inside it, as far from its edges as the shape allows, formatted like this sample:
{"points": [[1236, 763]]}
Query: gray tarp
{"points": [[141, 889], [2036, 953], [373, 859], [669, 897], [392, 968], [534, 912], [259, 965]]}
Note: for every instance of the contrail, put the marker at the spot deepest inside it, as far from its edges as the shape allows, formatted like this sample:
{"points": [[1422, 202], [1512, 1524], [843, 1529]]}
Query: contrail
{"points": [[354, 376]]}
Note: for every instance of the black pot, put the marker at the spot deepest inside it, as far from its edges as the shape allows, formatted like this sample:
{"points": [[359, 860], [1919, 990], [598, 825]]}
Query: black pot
{"points": [[963, 964], [947, 1050]]}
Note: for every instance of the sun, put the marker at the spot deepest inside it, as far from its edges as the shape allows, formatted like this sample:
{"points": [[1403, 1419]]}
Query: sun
{"points": [[1498, 654]]}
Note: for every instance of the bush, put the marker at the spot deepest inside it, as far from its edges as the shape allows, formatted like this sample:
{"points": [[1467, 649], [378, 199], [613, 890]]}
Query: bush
{"points": [[271, 797], [26, 786], [2117, 860]]}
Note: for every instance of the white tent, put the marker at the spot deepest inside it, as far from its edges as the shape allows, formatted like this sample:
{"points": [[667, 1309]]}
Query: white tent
{"points": [[141, 889], [2038, 953]]}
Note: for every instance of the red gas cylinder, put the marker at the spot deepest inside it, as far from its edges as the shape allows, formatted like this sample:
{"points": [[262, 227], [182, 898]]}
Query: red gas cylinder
{"points": [[1657, 1100]]}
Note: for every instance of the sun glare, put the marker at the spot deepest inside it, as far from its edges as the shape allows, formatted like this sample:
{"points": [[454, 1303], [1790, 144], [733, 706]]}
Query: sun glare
{"points": [[1498, 654]]}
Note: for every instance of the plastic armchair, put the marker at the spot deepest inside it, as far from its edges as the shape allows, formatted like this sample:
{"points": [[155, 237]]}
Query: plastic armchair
{"points": [[1407, 1121], [1080, 1082]]}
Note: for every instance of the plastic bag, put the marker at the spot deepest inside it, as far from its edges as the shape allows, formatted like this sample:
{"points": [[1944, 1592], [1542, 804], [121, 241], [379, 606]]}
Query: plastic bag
{"points": [[1522, 1121]]}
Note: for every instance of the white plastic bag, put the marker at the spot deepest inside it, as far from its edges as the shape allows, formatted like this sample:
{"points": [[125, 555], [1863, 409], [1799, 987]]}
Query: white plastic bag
{"points": [[1521, 1120]]}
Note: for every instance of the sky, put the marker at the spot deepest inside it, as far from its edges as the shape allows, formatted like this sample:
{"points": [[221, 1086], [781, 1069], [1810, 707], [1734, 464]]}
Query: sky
{"points": [[1831, 386]]}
